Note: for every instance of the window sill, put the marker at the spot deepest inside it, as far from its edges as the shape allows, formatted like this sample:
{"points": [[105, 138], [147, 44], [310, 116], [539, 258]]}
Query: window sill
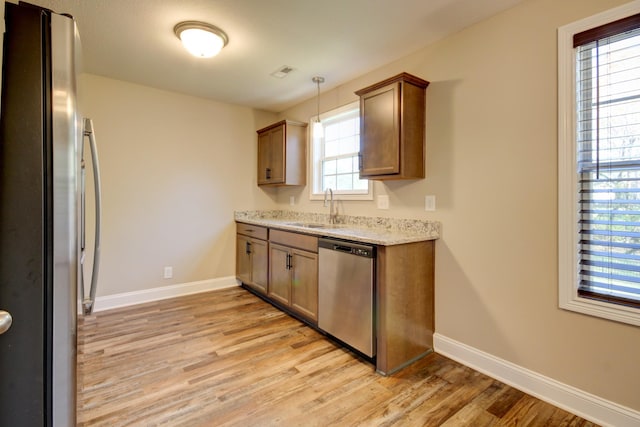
{"points": [[343, 196], [601, 309]]}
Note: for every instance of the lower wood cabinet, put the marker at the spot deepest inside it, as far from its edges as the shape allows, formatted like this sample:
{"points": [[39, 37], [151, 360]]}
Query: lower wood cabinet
{"points": [[293, 279], [293, 272], [252, 257], [283, 267], [405, 304]]}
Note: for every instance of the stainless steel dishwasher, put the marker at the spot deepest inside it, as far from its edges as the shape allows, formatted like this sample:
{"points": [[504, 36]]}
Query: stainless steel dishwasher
{"points": [[346, 293]]}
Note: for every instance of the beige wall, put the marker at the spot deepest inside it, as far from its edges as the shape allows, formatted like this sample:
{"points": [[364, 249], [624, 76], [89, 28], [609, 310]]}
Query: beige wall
{"points": [[174, 168], [492, 159]]}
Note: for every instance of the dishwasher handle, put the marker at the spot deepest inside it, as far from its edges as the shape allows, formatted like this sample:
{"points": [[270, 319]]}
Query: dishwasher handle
{"points": [[342, 248]]}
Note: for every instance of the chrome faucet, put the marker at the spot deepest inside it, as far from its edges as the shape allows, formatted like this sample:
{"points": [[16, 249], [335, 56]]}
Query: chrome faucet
{"points": [[332, 214]]}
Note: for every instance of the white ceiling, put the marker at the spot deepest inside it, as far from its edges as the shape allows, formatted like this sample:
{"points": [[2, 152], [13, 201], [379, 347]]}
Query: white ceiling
{"points": [[133, 40]]}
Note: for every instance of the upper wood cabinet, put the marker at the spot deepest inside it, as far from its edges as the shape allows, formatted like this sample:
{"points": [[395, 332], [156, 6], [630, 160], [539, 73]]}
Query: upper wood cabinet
{"points": [[282, 152], [392, 128]]}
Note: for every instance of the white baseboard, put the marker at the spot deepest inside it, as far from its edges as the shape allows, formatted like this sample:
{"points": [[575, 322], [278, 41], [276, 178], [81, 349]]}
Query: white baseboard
{"points": [[147, 295], [576, 401]]}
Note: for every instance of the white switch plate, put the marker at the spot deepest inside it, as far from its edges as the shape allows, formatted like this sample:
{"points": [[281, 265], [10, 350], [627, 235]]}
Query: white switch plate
{"points": [[168, 272], [292, 200], [430, 203], [383, 202]]}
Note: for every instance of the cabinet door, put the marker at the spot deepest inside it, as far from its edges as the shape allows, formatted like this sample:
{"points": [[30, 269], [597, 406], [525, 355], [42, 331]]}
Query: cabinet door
{"points": [[304, 283], [276, 154], [259, 265], [243, 259], [279, 274], [380, 132], [263, 157], [271, 157]]}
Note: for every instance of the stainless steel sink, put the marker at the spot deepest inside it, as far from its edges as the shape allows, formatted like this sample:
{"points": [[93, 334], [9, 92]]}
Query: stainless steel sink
{"points": [[315, 225]]}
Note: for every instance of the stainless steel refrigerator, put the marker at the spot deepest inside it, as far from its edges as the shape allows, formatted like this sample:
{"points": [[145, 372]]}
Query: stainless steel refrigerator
{"points": [[41, 214]]}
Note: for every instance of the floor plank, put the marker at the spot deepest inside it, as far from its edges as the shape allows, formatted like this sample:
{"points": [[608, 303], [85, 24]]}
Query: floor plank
{"points": [[227, 358]]}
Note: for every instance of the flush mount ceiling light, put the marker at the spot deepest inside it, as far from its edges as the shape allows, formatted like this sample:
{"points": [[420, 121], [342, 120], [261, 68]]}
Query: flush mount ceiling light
{"points": [[201, 39]]}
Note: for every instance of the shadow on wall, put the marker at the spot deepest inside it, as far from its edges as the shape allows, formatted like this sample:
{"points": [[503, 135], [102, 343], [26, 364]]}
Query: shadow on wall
{"points": [[440, 136], [405, 194], [270, 192], [458, 303], [220, 254]]}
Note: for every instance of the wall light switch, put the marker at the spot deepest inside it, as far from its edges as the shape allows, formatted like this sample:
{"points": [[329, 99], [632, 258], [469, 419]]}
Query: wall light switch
{"points": [[383, 202], [429, 203], [292, 200]]}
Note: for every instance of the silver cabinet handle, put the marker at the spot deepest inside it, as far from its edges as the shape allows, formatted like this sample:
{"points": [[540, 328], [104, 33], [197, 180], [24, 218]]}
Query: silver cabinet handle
{"points": [[88, 303], [5, 321]]}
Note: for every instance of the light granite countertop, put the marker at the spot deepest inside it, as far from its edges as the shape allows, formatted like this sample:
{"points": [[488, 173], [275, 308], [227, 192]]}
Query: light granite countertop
{"points": [[373, 230]]}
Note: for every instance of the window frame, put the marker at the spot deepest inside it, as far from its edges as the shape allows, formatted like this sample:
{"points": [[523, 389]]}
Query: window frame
{"points": [[316, 156], [568, 234]]}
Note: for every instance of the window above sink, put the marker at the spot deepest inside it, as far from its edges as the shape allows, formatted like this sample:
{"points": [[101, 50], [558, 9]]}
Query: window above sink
{"points": [[334, 156]]}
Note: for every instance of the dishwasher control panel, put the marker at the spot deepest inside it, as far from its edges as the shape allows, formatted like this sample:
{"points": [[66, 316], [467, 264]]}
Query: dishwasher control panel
{"points": [[352, 248], [361, 252]]}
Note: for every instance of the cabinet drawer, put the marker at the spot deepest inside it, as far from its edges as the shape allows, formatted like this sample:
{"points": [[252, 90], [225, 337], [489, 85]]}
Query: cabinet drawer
{"points": [[295, 240], [252, 230]]}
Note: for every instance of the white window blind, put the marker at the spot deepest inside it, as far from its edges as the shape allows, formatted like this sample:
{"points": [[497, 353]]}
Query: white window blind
{"points": [[608, 161]]}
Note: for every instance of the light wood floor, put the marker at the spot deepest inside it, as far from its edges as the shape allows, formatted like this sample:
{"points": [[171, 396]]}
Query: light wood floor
{"points": [[227, 358]]}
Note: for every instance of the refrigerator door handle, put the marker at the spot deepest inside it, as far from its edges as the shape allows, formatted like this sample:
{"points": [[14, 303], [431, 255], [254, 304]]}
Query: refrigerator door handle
{"points": [[88, 303]]}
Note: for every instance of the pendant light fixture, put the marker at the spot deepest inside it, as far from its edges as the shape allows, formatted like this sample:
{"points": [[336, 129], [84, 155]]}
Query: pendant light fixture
{"points": [[201, 39], [318, 129]]}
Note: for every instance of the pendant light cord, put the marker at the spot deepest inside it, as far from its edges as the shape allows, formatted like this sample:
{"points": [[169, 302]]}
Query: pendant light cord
{"points": [[318, 101], [318, 80]]}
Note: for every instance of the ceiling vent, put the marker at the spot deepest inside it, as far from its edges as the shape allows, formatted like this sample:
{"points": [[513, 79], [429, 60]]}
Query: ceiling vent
{"points": [[282, 72]]}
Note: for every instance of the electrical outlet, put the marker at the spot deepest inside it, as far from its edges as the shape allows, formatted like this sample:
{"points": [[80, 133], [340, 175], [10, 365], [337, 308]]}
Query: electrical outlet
{"points": [[383, 202], [168, 272], [430, 203]]}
